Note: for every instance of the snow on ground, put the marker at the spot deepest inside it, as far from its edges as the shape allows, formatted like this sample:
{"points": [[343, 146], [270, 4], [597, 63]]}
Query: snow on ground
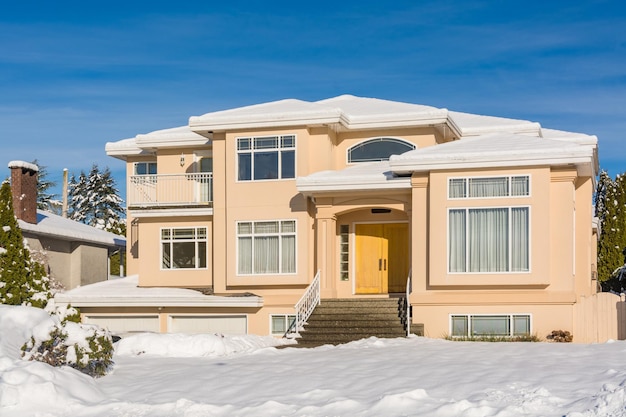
{"points": [[208, 375]]}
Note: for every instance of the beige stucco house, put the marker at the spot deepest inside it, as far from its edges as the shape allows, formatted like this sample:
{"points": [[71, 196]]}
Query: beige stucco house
{"points": [[487, 220]]}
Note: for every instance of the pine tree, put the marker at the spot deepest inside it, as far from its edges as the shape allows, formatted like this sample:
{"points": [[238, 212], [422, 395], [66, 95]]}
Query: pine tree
{"points": [[611, 211], [45, 200], [94, 200], [23, 281]]}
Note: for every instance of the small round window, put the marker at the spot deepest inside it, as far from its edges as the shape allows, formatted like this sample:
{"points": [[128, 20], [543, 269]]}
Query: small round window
{"points": [[378, 149]]}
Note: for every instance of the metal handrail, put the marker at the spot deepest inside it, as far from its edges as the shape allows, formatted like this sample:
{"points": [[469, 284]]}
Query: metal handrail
{"points": [[305, 306], [407, 303]]}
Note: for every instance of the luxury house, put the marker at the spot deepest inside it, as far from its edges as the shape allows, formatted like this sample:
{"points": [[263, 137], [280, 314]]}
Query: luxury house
{"points": [[484, 223]]}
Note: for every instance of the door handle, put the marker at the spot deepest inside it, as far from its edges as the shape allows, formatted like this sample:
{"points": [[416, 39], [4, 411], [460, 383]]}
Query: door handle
{"points": [[380, 264], [385, 265]]}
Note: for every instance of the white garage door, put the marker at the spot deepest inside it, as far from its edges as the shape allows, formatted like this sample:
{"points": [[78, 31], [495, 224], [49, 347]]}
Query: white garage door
{"points": [[125, 324], [208, 324]]}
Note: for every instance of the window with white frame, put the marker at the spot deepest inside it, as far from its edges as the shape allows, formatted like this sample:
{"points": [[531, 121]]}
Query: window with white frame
{"points": [[505, 325], [145, 168], [184, 248], [490, 239], [489, 187], [378, 149], [266, 247], [280, 323], [266, 158]]}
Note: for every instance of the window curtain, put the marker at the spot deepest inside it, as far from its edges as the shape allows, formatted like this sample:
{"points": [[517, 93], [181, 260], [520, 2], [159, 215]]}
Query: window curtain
{"points": [[519, 239], [457, 241], [489, 187], [520, 186], [488, 246], [288, 254], [457, 188], [266, 254], [245, 255]]}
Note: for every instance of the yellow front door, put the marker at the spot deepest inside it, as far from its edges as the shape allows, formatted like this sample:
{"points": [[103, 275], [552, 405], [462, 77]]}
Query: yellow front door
{"points": [[382, 257]]}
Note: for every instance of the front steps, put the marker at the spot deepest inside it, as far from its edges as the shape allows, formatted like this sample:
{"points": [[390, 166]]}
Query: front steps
{"points": [[337, 321]]}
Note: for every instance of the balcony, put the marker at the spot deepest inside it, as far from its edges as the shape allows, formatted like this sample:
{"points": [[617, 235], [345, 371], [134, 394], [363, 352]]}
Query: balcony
{"points": [[170, 190]]}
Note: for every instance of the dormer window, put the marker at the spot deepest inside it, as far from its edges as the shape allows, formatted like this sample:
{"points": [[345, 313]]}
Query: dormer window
{"points": [[378, 149]]}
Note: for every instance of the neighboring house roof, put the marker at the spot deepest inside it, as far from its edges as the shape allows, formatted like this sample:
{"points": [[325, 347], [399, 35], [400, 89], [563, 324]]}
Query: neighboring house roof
{"points": [[52, 225], [124, 292]]}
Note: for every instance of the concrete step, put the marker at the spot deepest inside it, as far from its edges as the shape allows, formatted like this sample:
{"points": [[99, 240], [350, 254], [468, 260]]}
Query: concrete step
{"points": [[338, 321]]}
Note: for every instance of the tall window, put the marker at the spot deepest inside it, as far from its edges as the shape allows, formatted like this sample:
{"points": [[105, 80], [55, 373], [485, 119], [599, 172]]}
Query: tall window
{"points": [[266, 247], [184, 248], [266, 158], [488, 239], [378, 149]]}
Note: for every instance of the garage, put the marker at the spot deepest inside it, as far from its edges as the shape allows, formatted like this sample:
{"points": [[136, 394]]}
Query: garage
{"points": [[194, 324], [125, 324]]}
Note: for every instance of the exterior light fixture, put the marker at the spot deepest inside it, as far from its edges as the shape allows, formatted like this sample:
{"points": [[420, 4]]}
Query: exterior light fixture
{"points": [[182, 159]]}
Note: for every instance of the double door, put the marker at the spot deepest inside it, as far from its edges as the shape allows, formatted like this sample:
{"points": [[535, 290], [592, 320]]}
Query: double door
{"points": [[382, 257]]}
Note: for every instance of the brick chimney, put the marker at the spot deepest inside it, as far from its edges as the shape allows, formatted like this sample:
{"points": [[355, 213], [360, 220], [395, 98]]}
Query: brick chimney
{"points": [[24, 190]]}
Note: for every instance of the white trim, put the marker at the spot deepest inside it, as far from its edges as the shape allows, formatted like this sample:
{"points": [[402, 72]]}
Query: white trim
{"points": [[466, 208], [171, 212], [469, 315]]}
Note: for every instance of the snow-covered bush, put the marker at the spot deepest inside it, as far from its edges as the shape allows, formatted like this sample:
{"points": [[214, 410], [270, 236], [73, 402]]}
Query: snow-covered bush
{"points": [[84, 347]]}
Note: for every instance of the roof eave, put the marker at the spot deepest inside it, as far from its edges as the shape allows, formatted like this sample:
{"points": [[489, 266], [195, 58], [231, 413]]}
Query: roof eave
{"points": [[78, 301]]}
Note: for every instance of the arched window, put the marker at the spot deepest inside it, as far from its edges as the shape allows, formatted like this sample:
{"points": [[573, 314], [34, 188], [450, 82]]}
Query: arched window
{"points": [[378, 149]]}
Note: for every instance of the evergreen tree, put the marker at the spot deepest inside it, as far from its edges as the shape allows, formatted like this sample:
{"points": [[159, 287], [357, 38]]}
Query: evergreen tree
{"points": [[45, 200], [94, 200], [611, 211], [23, 281]]}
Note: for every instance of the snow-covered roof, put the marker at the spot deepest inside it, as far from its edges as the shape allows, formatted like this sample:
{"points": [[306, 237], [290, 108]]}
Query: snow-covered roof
{"points": [[468, 124], [169, 138], [494, 150], [123, 148], [288, 112], [49, 224], [364, 112], [485, 151], [363, 176], [125, 292]]}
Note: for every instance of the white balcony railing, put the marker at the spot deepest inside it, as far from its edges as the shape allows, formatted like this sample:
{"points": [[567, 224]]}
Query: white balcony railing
{"points": [[170, 190]]}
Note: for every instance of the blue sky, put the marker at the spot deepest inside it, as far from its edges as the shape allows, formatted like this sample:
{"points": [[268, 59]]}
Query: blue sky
{"points": [[75, 75]]}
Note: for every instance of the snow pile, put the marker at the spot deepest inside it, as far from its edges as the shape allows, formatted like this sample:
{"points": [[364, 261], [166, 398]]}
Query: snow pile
{"points": [[26, 386], [210, 375], [186, 346]]}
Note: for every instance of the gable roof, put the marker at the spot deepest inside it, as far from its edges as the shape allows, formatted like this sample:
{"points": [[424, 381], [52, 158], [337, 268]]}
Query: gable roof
{"points": [[52, 225]]}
